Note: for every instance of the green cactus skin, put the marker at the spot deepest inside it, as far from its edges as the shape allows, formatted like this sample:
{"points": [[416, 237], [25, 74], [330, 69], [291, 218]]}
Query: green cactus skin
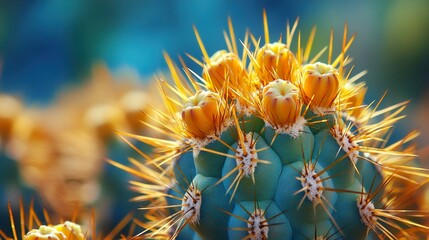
{"points": [[275, 185]]}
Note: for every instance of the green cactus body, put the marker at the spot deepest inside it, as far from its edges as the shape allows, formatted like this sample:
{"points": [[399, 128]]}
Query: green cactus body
{"points": [[259, 152], [274, 187]]}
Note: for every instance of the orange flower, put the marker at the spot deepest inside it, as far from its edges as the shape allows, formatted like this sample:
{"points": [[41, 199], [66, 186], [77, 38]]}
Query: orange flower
{"points": [[275, 60], [224, 66], [201, 114], [281, 103], [320, 84]]}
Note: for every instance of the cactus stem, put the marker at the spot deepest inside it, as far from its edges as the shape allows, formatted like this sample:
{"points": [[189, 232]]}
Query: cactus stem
{"points": [[313, 190], [246, 157], [340, 129]]}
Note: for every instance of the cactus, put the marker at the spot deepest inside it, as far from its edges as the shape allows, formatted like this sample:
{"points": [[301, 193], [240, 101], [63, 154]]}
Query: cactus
{"points": [[272, 144]]}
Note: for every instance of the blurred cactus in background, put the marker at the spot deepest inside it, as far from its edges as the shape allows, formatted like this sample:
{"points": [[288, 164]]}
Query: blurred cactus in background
{"points": [[275, 142], [28, 225], [61, 149]]}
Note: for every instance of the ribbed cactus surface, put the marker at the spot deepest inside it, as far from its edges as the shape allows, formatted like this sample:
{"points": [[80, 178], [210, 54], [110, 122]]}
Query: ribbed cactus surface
{"points": [[274, 143]]}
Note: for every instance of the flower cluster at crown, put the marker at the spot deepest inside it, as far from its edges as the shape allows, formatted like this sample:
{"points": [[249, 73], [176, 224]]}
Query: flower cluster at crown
{"points": [[269, 81]]}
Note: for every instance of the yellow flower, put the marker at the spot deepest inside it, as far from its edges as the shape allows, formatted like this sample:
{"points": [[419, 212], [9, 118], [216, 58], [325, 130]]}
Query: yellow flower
{"points": [[202, 114], [42, 228], [224, 66], [71, 230], [320, 84], [45, 232], [275, 60], [104, 119], [132, 103], [281, 103]]}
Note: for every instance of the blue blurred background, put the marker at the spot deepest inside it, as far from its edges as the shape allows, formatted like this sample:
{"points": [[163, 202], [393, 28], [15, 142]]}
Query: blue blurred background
{"points": [[49, 45]]}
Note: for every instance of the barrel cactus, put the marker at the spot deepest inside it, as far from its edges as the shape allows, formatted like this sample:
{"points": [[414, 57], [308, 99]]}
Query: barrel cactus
{"points": [[270, 143]]}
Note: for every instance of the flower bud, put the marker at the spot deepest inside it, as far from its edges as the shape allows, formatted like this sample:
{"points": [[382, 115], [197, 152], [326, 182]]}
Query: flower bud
{"points": [[275, 61], [281, 103], [201, 114], [71, 230], [45, 232], [224, 66], [320, 84]]}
